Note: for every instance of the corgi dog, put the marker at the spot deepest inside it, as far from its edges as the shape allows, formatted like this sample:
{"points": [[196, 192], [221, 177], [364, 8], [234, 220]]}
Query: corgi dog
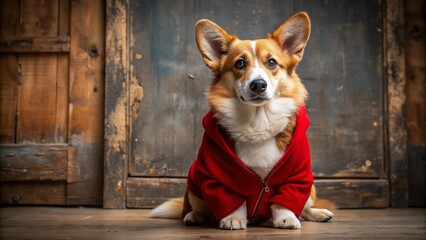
{"points": [[253, 164]]}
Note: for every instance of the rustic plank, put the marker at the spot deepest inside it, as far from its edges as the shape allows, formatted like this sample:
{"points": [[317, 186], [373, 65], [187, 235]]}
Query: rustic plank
{"points": [[9, 75], [86, 95], [35, 44], [150, 192], [63, 76], [345, 103], [415, 64], [9, 17], [415, 59], [165, 131], [64, 18], [33, 162], [38, 18], [396, 102], [40, 223], [37, 98], [116, 122], [345, 193], [62, 88], [355, 193], [33, 193]]}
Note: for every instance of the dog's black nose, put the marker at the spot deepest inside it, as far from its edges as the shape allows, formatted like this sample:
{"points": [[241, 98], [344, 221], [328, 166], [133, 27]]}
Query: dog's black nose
{"points": [[258, 86]]}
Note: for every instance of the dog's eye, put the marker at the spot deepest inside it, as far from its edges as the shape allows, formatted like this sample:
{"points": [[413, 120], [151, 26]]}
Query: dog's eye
{"points": [[240, 64], [271, 63]]}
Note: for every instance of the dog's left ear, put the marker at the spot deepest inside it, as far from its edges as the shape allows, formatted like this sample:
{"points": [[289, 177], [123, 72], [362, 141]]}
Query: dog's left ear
{"points": [[213, 42], [293, 34]]}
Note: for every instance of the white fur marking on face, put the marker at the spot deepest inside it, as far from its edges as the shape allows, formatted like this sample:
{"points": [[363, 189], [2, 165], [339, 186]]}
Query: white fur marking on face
{"points": [[243, 88], [253, 47]]}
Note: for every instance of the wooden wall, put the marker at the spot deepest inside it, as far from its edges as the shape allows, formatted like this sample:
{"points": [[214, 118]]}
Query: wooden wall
{"points": [[415, 55], [52, 103], [150, 51], [52, 93]]}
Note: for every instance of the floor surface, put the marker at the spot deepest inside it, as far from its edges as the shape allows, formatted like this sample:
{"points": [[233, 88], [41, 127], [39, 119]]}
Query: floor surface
{"points": [[92, 223]]}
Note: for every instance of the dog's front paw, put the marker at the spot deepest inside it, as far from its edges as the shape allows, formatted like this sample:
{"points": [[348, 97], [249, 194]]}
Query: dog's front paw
{"points": [[317, 214], [233, 222], [193, 218], [284, 218], [289, 222]]}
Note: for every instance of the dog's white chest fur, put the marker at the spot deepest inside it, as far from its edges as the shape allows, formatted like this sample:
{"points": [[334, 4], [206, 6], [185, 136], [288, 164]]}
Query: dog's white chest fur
{"points": [[254, 129], [260, 157]]}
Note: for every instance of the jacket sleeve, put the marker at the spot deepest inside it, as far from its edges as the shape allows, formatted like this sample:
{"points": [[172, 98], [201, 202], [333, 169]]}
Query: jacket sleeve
{"points": [[296, 190]]}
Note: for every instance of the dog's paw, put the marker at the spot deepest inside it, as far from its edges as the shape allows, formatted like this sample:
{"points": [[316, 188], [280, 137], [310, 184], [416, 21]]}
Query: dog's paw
{"points": [[288, 222], [193, 218], [284, 218], [317, 214], [233, 222]]}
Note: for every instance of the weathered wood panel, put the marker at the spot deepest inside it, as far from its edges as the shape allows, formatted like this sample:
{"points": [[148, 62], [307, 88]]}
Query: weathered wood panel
{"points": [[9, 17], [342, 69], [396, 103], [29, 17], [116, 100], [345, 193], [86, 95], [37, 98], [150, 192], [415, 64], [9, 75], [33, 162], [38, 18], [35, 44], [38, 193], [63, 74], [41, 223], [355, 193], [38, 51]]}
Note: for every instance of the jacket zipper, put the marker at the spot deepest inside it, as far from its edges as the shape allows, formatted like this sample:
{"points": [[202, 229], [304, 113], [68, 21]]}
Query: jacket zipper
{"points": [[265, 188]]}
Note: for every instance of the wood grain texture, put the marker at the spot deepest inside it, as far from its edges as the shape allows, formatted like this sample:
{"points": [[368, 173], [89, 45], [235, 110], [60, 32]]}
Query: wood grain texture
{"points": [[9, 18], [37, 99], [342, 69], [86, 95], [116, 99], [150, 192], [33, 193], [415, 68], [10, 77], [396, 103], [35, 44], [415, 71], [355, 193], [345, 193], [38, 18], [33, 162], [91, 223]]}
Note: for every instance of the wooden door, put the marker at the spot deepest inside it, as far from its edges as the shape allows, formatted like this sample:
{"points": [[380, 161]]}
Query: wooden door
{"points": [[51, 93], [348, 68]]}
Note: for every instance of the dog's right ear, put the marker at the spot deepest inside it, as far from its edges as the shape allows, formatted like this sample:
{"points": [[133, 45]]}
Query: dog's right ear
{"points": [[213, 42]]}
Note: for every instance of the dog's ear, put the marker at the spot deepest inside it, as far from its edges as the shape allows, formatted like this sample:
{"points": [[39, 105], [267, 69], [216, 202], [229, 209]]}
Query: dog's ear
{"points": [[293, 34], [213, 42]]}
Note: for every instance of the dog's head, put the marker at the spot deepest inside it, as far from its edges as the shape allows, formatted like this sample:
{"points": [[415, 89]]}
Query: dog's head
{"points": [[256, 72]]}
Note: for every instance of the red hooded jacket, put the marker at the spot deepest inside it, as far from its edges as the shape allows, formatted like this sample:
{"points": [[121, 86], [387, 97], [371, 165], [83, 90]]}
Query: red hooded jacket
{"points": [[224, 182]]}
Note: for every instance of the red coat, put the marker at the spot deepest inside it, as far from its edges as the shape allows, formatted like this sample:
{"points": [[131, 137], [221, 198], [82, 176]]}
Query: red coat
{"points": [[224, 182]]}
